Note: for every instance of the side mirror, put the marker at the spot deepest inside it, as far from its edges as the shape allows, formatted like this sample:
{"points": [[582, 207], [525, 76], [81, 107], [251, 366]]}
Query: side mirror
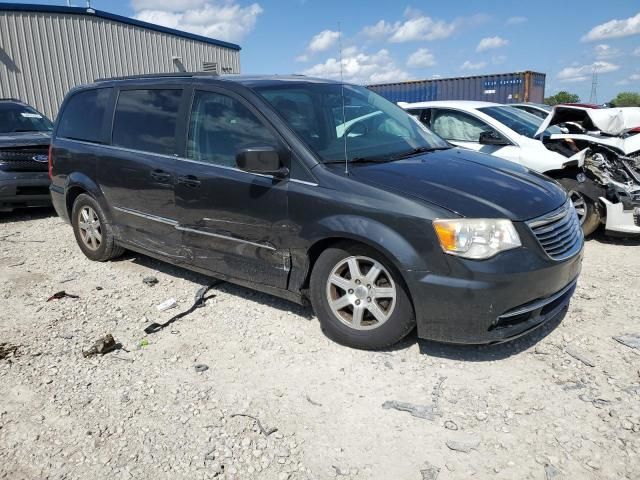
{"points": [[491, 137], [262, 160]]}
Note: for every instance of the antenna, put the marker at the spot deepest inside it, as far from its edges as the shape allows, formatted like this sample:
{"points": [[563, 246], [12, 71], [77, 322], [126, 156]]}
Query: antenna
{"points": [[593, 98], [344, 116]]}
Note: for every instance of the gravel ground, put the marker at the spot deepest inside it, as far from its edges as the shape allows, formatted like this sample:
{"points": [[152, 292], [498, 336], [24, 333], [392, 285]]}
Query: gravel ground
{"points": [[561, 403]]}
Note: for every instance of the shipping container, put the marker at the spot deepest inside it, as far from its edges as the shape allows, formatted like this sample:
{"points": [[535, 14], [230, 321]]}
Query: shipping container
{"points": [[500, 88]]}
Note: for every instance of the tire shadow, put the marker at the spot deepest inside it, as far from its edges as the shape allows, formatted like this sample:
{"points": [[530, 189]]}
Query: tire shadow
{"points": [[226, 287], [27, 214]]}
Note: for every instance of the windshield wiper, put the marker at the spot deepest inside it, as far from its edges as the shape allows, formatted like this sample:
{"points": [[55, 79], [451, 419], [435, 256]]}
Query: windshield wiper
{"points": [[417, 151]]}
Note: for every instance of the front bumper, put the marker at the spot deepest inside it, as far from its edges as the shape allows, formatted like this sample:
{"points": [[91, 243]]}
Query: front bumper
{"points": [[621, 221], [493, 300], [24, 189]]}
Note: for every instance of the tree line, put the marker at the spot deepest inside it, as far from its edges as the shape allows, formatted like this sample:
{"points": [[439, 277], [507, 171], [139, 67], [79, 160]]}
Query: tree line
{"points": [[623, 99]]}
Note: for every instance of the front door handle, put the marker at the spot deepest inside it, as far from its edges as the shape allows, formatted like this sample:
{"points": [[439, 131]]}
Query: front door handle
{"points": [[189, 180], [161, 176]]}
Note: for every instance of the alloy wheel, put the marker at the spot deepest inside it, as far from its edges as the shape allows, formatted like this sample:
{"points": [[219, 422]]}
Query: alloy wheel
{"points": [[580, 204], [90, 229], [361, 293]]}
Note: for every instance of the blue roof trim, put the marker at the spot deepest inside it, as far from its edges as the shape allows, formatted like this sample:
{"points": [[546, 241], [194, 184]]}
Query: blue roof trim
{"points": [[30, 7]]}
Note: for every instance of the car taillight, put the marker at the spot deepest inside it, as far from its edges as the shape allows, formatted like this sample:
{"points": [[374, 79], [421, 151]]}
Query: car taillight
{"points": [[50, 164]]}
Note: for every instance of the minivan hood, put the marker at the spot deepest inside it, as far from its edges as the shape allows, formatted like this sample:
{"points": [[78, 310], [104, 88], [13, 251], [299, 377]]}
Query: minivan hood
{"points": [[470, 184], [24, 139]]}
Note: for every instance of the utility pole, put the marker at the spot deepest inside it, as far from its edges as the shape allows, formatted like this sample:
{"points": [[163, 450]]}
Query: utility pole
{"points": [[593, 98]]}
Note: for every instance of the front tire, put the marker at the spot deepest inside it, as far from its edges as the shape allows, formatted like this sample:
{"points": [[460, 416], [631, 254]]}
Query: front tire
{"points": [[360, 298], [587, 209], [92, 231]]}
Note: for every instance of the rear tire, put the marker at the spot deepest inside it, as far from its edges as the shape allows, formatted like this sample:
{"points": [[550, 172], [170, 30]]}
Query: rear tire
{"points": [[368, 310], [92, 230]]}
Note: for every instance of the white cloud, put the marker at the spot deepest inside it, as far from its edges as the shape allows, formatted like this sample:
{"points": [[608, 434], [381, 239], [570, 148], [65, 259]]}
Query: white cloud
{"points": [[323, 41], [302, 58], [421, 28], [469, 65], [221, 20], [637, 52], [380, 29], [421, 58], [614, 29], [516, 20], [415, 27], [360, 67], [635, 77], [583, 72], [491, 42], [603, 50], [623, 82]]}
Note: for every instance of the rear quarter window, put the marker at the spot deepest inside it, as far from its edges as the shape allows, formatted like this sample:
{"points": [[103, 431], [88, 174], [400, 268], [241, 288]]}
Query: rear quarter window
{"points": [[84, 114]]}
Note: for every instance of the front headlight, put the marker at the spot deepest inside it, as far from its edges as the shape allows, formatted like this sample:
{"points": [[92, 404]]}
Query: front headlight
{"points": [[476, 238]]}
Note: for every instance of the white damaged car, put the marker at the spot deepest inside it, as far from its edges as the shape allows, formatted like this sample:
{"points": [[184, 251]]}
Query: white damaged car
{"points": [[521, 137]]}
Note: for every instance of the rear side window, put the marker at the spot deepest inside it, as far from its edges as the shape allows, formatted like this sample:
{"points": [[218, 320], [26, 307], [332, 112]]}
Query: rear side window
{"points": [[83, 116], [146, 120]]}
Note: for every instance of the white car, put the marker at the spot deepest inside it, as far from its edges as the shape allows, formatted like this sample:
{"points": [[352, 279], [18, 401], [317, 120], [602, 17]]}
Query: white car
{"points": [[538, 109], [512, 134], [490, 128]]}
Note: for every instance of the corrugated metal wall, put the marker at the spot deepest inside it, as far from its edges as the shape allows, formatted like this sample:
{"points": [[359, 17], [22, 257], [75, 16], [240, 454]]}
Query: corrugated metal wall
{"points": [[502, 88], [43, 55]]}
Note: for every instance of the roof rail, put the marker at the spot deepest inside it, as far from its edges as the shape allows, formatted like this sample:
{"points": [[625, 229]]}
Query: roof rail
{"points": [[9, 99], [160, 75]]}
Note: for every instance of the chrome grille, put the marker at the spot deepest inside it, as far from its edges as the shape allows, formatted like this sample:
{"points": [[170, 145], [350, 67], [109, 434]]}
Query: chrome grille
{"points": [[559, 232]]}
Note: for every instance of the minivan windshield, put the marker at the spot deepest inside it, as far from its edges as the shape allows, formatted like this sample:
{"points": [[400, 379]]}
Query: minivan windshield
{"points": [[517, 120], [372, 127], [20, 118]]}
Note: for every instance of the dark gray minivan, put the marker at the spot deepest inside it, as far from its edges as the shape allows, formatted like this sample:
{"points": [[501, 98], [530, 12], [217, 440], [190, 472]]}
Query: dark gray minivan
{"points": [[315, 190]]}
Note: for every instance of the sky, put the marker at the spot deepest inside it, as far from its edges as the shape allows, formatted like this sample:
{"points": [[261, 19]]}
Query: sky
{"points": [[384, 41]]}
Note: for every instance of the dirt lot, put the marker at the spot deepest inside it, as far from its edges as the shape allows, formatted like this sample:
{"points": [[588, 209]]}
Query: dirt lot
{"points": [[561, 403]]}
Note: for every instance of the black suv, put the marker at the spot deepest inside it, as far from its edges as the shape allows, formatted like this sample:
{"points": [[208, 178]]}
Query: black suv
{"points": [[311, 189], [24, 144]]}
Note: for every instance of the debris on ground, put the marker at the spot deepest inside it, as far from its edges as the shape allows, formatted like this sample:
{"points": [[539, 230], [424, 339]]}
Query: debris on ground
{"points": [[551, 472], [61, 294], [464, 447], [580, 357], [265, 431], [167, 304], [429, 472], [198, 302], [101, 346], [143, 343], [341, 472], [150, 280], [7, 349], [313, 402], [450, 425], [200, 367], [420, 411], [631, 340]]}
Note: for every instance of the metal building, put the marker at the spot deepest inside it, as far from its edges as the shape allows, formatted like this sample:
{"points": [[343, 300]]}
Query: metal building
{"points": [[46, 50], [500, 88]]}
